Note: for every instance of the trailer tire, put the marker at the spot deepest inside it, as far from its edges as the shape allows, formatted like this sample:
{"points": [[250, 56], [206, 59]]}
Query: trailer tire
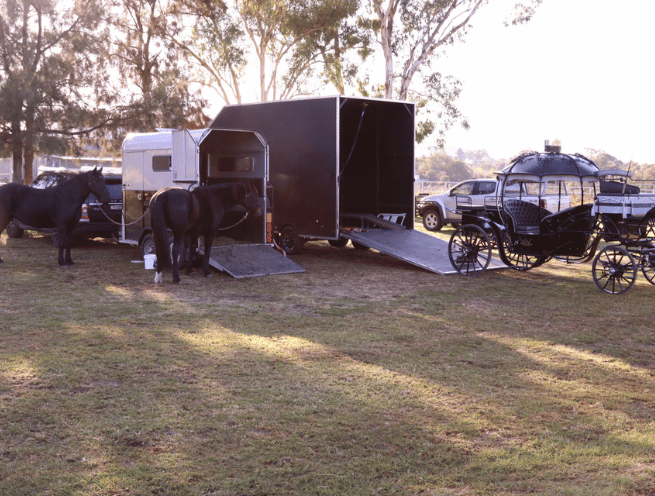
{"points": [[289, 241], [432, 220], [148, 245], [338, 243]]}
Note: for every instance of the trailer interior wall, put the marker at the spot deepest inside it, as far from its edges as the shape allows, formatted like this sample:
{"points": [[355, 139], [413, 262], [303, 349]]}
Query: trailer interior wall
{"points": [[332, 156], [231, 156], [377, 158]]}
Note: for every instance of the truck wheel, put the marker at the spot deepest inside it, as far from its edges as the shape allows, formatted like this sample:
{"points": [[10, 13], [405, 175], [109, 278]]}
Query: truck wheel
{"points": [[13, 231], [289, 241], [432, 220]]}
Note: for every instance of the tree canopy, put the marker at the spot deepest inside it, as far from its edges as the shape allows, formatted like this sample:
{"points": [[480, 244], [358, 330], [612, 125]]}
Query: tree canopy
{"points": [[73, 68]]}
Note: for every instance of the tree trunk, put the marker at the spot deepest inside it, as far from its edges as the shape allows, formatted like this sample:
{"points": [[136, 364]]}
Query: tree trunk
{"points": [[17, 153]]}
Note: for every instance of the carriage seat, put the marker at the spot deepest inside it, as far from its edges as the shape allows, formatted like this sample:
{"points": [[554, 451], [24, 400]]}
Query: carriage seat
{"points": [[526, 217], [574, 218]]}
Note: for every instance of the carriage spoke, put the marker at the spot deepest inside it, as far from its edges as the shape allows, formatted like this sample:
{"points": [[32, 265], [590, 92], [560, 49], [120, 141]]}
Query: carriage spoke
{"points": [[469, 250], [614, 270]]}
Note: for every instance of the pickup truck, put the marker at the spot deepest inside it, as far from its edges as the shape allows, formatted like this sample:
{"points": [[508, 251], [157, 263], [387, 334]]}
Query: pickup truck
{"points": [[438, 210]]}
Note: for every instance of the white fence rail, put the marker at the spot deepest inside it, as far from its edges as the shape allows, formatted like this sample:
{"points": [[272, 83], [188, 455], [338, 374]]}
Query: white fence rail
{"points": [[56, 161]]}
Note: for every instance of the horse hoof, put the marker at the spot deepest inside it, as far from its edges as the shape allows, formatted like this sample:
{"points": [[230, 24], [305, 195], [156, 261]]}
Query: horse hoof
{"points": [[208, 275], [157, 277]]}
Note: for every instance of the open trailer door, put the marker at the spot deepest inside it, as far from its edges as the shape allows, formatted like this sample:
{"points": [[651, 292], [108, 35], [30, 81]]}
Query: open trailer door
{"points": [[243, 248]]}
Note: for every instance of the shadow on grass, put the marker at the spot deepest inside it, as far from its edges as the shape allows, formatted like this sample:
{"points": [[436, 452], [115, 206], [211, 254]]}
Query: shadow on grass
{"points": [[364, 375]]}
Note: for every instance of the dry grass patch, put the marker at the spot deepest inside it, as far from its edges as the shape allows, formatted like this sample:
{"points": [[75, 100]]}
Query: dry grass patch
{"points": [[363, 375]]}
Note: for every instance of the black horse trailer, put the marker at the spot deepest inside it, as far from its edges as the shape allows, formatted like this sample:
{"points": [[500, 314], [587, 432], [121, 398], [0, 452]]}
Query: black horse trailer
{"points": [[342, 168], [182, 158]]}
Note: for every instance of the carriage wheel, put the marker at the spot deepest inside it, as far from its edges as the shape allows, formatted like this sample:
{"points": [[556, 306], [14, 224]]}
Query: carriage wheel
{"points": [[519, 261], [469, 250], [648, 224], [614, 270], [648, 267]]}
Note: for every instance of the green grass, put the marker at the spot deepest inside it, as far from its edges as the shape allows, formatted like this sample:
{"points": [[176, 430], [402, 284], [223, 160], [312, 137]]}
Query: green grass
{"points": [[364, 375]]}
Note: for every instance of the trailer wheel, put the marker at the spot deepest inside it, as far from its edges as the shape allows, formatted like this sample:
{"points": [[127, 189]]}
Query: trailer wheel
{"points": [[148, 245], [359, 246], [432, 220], [338, 243], [13, 231], [289, 241]]}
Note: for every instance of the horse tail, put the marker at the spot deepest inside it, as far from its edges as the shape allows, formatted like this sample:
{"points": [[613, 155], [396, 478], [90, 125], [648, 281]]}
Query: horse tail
{"points": [[159, 234]]}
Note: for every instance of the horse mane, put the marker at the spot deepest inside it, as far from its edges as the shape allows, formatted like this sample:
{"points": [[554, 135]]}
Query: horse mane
{"points": [[237, 189]]}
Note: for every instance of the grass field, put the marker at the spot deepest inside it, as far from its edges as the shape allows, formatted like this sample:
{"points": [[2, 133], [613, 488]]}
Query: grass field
{"points": [[362, 376]]}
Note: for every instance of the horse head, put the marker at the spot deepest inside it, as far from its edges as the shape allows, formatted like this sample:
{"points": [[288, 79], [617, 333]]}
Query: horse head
{"points": [[97, 185], [253, 203]]}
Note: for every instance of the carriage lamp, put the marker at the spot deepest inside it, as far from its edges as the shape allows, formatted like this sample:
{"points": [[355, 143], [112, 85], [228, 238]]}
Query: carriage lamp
{"points": [[556, 147]]}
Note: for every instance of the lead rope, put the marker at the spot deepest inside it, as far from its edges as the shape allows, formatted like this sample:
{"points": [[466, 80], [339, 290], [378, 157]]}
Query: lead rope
{"points": [[146, 212]]}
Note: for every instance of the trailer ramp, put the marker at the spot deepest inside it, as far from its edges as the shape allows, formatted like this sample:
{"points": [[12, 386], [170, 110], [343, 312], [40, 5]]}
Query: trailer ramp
{"points": [[414, 247], [251, 261]]}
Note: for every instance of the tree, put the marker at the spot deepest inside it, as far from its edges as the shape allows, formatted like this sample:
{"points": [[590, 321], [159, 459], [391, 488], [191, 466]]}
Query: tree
{"points": [[161, 93], [440, 166], [412, 34], [287, 38], [52, 76]]}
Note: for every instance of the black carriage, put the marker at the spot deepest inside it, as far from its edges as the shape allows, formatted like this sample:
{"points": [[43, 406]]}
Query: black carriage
{"points": [[596, 206]]}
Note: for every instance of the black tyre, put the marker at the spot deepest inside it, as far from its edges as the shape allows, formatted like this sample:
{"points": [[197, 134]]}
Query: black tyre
{"points": [[432, 220], [289, 241], [148, 245], [512, 256], [469, 250], [648, 266], [614, 270], [359, 246], [13, 231], [338, 243]]}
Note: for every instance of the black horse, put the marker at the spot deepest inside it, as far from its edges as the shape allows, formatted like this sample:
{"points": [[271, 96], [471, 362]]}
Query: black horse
{"points": [[190, 214], [58, 207]]}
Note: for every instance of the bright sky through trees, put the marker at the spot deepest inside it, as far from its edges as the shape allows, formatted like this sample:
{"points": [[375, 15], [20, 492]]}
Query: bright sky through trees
{"points": [[580, 71]]}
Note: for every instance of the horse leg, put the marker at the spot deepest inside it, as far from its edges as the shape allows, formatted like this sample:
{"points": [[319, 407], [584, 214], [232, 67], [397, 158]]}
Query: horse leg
{"points": [[5, 219], [209, 241], [64, 239], [178, 247], [190, 244]]}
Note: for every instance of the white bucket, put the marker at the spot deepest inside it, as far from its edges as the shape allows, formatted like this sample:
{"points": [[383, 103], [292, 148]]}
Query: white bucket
{"points": [[149, 261]]}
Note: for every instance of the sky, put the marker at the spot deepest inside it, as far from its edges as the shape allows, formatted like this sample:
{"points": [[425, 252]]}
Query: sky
{"points": [[581, 71]]}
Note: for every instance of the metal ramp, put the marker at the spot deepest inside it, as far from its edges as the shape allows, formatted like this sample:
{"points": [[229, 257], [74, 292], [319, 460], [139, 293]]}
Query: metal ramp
{"points": [[251, 261], [415, 247]]}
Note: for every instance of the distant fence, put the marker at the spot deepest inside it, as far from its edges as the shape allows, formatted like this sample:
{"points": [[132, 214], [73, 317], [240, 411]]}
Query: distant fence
{"points": [[432, 187], [41, 162], [438, 187]]}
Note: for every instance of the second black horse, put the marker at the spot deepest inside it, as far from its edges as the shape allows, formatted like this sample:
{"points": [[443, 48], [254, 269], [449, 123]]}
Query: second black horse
{"points": [[58, 207], [190, 214]]}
